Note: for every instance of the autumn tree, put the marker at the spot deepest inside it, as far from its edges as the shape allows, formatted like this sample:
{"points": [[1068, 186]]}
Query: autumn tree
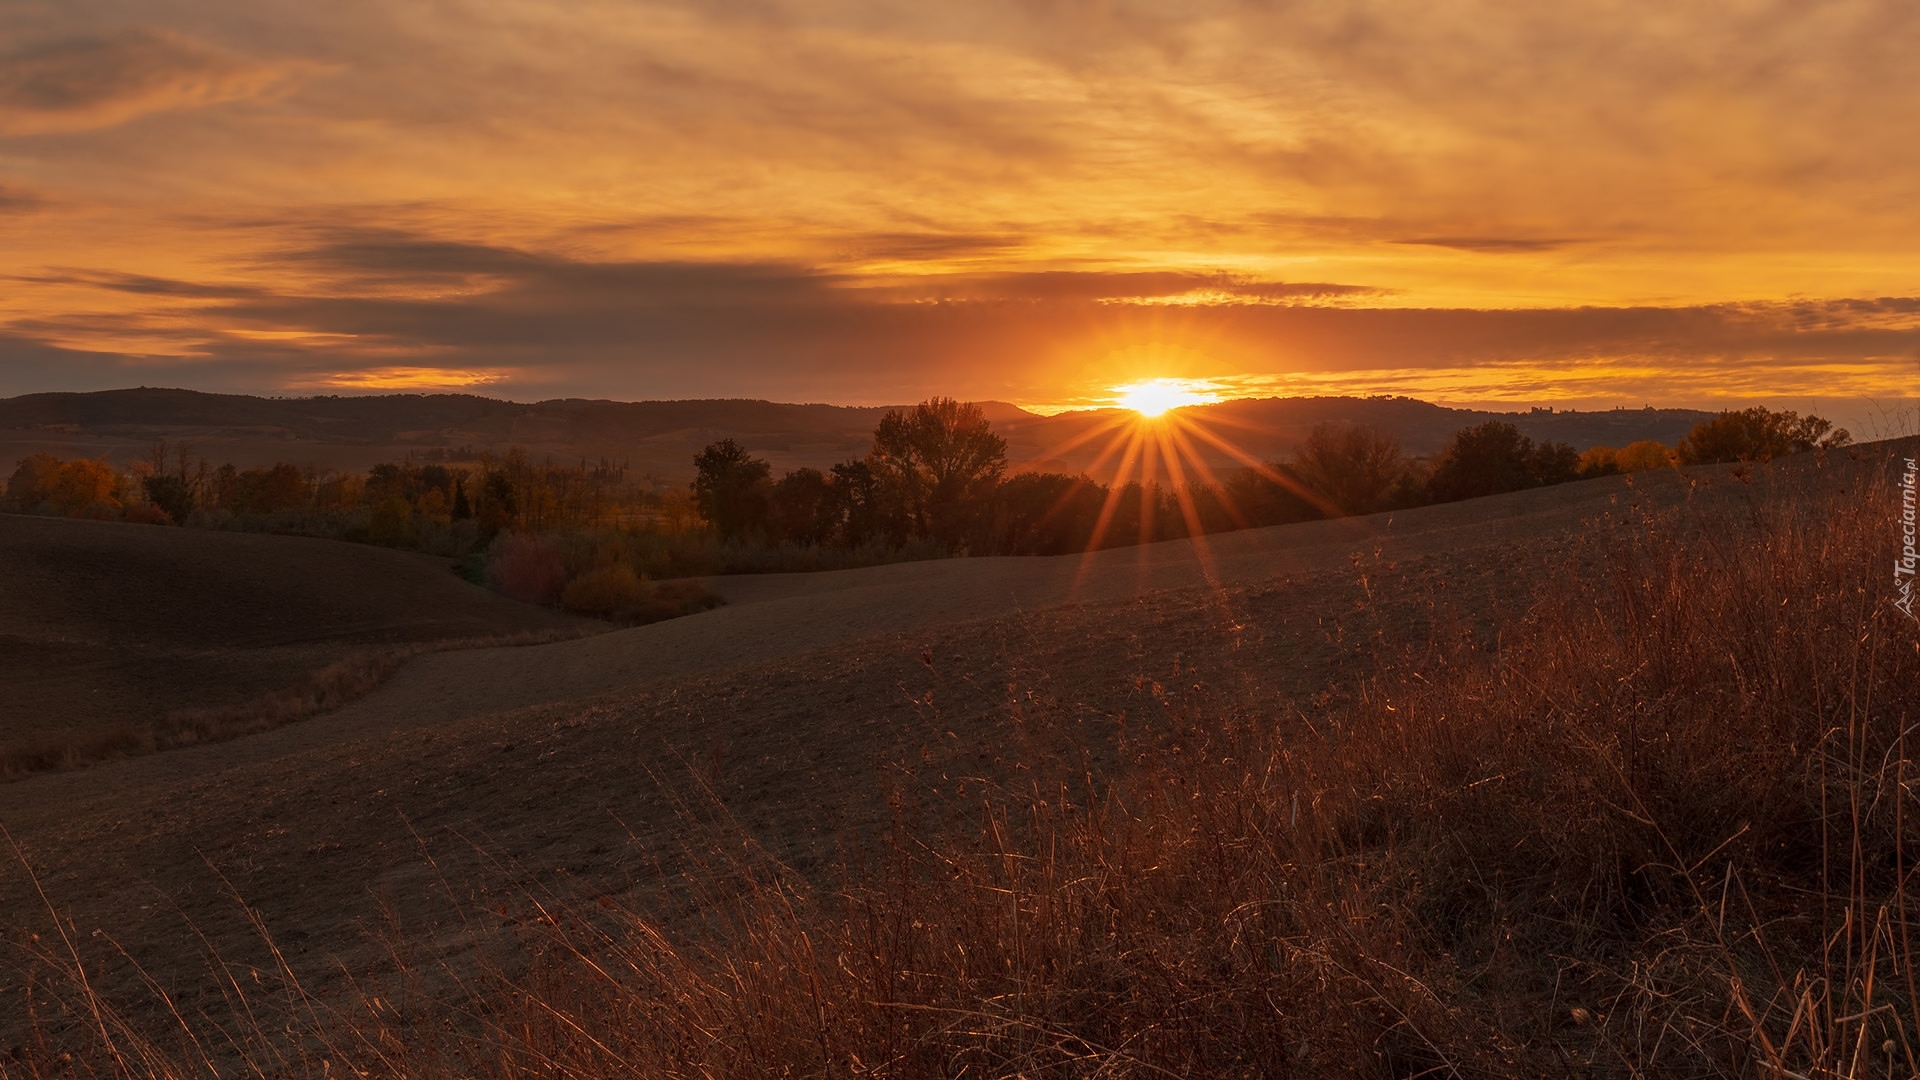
{"points": [[732, 489], [940, 460], [32, 479], [84, 486], [1633, 457], [1758, 434]]}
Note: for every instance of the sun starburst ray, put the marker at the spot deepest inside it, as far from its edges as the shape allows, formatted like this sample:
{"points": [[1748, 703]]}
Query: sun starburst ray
{"points": [[1190, 513], [1268, 472]]}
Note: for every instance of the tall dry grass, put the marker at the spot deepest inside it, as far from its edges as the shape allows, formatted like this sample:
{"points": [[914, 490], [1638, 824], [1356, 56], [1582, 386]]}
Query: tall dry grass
{"points": [[1661, 829]]}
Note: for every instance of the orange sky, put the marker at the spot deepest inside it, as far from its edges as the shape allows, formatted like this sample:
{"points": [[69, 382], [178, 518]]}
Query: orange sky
{"points": [[1575, 203]]}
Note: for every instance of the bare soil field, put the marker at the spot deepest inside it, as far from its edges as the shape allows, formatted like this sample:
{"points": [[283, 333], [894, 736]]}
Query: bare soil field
{"points": [[444, 808], [106, 627]]}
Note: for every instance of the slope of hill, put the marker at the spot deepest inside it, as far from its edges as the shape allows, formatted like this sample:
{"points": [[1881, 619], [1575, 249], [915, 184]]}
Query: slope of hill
{"points": [[476, 787], [661, 437], [106, 628]]}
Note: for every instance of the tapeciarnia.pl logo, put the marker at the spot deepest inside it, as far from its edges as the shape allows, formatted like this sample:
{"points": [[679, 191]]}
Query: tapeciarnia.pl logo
{"points": [[1904, 566]]}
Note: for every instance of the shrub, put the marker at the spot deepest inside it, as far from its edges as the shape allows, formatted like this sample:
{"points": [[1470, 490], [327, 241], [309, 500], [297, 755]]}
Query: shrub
{"points": [[1599, 461], [1645, 455], [604, 592], [616, 592], [528, 568]]}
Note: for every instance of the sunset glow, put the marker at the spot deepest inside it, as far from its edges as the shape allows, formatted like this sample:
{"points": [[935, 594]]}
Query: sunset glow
{"points": [[400, 379], [1153, 397], [818, 200]]}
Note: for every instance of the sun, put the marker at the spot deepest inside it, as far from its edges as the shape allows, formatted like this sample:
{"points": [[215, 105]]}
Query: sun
{"points": [[1153, 397]]}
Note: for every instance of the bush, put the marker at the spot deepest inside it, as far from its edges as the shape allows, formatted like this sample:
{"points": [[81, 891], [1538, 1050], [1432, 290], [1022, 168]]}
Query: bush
{"points": [[604, 592], [528, 568], [616, 592]]}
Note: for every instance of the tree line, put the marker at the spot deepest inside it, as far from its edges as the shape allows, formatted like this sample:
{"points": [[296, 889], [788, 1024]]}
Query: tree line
{"points": [[402, 504], [934, 482], [936, 475]]}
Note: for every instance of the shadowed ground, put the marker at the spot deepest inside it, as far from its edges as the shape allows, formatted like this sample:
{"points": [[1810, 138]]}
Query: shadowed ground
{"points": [[475, 780], [106, 626]]}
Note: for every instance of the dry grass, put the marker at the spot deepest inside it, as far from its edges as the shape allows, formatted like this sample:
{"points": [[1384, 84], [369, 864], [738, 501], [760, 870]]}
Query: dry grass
{"points": [[1657, 829]]}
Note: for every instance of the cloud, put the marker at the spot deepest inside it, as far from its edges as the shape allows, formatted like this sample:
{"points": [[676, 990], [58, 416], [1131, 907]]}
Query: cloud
{"points": [[81, 83], [1490, 245], [923, 247], [15, 201], [401, 309], [135, 284], [1115, 286]]}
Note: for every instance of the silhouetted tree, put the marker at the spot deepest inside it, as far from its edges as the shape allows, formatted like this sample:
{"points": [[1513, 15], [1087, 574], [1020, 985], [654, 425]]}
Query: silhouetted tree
{"points": [[1554, 463], [800, 509], [1495, 457], [731, 488], [1758, 434], [170, 493], [940, 460], [1354, 468], [1271, 495], [499, 506], [1483, 460], [433, 478], [1139, 513], [854, 503], [270, 490], [1042, 514]]}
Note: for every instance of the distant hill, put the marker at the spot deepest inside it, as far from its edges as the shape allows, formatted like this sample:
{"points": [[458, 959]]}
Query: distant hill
{"points": [[1267, 429], [661, 437]]}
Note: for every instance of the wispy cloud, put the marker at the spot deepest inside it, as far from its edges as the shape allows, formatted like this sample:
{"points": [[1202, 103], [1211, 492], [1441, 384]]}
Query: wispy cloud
{"points": [[871, 201], [1490, 245], [383, 308], [77, 83]]}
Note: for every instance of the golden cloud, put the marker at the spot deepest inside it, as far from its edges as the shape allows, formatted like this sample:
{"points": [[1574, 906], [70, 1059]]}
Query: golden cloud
{"points": [[400, 378], [83, 83]]}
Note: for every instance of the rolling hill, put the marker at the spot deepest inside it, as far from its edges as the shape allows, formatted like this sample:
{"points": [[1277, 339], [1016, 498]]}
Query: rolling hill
{"points": [[106, 629], [660, 438], [399, 847]]}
